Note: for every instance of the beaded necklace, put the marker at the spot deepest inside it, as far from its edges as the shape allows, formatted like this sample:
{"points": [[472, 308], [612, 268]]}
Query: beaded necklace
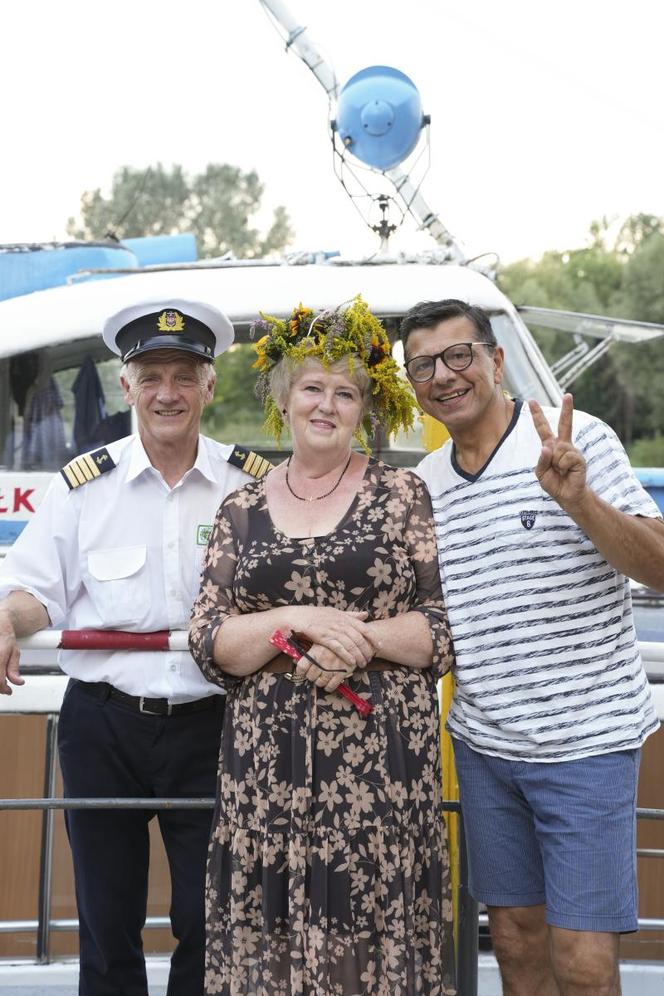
{"points": [[327, 493]]}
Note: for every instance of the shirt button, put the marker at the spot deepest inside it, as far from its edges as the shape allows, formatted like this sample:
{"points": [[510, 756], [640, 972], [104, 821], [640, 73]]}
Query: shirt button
{"points": [[174, 667]]}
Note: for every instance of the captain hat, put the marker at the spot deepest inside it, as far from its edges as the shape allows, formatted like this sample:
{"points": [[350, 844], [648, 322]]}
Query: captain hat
{"points": [[191, 326]]}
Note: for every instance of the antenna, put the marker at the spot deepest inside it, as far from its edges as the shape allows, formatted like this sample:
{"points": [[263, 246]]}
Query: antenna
{"points": [[383, 229], [378, 123]]}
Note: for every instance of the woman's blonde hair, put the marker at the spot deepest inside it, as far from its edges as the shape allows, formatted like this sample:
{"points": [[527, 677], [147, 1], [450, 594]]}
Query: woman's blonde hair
{"points": [[289, 370]]}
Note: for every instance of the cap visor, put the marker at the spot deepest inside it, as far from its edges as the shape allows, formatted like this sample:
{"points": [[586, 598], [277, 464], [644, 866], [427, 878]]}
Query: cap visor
{"points": [[170, 341]]}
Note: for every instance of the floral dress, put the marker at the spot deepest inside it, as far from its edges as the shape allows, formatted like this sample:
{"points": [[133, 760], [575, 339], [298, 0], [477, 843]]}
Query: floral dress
{"points": [[328, 868]]}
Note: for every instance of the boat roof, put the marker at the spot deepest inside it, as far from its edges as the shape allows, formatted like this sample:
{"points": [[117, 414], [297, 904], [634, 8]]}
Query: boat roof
{"points": [[79, 309]]}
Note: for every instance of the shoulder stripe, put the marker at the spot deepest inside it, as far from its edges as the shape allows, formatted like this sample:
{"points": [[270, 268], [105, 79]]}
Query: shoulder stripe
{"points": [[70, 477], [87, 467], [249, 461], [94, 469]]}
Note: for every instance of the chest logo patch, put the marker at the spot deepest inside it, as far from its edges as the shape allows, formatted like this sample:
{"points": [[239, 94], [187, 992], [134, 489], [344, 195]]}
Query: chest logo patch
{"points": [[528, 519], [203, 534]]}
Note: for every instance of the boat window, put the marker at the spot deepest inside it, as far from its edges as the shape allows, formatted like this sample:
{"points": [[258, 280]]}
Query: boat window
{"points": [[523, 368], [58, 402]]}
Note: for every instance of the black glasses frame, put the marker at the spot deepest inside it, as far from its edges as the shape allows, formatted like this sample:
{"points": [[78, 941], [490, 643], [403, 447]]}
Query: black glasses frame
{"points": [[441, 356]]}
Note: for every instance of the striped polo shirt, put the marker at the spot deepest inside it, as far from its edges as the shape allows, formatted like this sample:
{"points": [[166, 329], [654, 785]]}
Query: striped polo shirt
{"points": [[547, 664]]}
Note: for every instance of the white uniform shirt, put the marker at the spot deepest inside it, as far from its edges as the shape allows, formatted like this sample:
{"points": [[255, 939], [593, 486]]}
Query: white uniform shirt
{"points": [[125, 551], [547, 663]]}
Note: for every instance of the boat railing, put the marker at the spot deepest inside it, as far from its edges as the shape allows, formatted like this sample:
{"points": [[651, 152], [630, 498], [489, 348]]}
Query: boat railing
{"points": [[468, 917]]}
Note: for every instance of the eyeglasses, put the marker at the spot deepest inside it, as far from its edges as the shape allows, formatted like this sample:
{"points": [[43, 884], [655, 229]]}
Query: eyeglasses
{"points": [[456, 357]]}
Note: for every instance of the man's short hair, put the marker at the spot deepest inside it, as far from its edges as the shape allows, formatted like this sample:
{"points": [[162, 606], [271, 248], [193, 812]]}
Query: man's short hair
{"points": [[429, 314]]}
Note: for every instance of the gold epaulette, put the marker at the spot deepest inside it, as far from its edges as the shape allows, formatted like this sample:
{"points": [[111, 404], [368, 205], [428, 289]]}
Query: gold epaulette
{"points": [[86, 467], [250, 462]]}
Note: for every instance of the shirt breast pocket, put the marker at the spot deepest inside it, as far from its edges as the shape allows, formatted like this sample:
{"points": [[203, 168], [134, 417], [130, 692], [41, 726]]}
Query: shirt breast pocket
{"points": [[118, 585]]}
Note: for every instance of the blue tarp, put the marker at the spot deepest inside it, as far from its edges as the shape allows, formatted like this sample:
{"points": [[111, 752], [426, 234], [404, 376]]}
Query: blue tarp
{"points": [[24, 269], [652, 479], [34, 267]]}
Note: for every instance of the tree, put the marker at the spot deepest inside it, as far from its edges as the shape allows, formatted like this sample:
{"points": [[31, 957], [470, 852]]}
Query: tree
{"points": [[636, 230], [217, 205], [648, 451], [620, 278], [236, 412]]}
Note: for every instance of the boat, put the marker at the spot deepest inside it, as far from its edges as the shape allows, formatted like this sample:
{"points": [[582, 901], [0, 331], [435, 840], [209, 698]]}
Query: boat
{"points": [[52, 336]]}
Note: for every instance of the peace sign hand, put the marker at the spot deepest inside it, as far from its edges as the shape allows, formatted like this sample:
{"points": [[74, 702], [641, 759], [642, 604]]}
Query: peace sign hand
{"points": [[561, 468]]}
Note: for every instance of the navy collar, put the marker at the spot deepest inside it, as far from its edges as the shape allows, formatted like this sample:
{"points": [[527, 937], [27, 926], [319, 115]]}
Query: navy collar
{"points": [[518, 405]]}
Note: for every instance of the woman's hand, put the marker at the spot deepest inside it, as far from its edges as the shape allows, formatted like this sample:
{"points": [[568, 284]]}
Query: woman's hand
{"points": [[328, 671], [345, 635]]}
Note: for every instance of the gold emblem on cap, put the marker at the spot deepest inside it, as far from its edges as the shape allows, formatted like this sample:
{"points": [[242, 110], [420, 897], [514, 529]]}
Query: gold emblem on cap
{"points": [[170, 321]]}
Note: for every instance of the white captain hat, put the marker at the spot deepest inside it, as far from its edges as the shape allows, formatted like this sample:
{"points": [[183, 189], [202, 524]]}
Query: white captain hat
{"points": [[191, 326]]}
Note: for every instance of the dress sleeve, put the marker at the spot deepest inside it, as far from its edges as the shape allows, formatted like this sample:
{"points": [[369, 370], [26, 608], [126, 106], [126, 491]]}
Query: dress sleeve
{"points": [[421, 543], [215, 601]]}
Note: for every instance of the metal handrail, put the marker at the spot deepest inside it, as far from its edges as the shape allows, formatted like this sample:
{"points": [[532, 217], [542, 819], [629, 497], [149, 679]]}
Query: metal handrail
{"points": [[46, 853], [469, 917], [467, 953], [176, 640]]}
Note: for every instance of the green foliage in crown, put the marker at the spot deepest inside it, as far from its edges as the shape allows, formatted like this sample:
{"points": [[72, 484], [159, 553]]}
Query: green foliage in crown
{"points": [[350, 332]]}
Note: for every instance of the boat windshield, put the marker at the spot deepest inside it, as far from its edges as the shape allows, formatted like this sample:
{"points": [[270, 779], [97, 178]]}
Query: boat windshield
{"points": [[57, 402], [65, 399]]}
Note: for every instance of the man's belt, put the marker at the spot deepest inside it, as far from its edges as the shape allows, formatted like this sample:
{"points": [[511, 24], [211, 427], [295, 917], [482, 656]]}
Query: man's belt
{"points": [[139, 703]]}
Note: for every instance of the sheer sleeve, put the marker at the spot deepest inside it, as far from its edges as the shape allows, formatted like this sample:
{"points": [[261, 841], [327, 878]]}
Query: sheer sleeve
{"points": [[420, 539], [215, 601]]}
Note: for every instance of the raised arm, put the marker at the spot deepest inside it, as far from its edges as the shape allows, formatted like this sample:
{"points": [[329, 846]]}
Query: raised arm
{"points": [[632, 544]]}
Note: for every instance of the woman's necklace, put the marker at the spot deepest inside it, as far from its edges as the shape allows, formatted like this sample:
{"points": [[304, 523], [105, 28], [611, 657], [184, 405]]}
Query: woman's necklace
{"points": [[327, 493]]}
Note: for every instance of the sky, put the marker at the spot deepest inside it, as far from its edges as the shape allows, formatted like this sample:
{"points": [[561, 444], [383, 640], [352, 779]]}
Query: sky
{"points": [[545, 115]]}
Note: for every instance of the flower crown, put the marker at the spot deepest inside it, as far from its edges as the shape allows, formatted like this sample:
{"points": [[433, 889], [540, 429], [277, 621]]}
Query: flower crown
{"points": [[347, 331]]}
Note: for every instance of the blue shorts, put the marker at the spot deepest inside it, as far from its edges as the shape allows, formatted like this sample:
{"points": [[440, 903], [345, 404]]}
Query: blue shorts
{"points": [[562, 834]]}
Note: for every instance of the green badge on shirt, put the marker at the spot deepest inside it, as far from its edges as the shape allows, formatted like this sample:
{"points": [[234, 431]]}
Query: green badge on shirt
{"points": [[203, 534]]}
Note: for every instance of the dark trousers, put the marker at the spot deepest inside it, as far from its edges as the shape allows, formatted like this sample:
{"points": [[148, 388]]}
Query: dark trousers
{"points": [[109, 750]]}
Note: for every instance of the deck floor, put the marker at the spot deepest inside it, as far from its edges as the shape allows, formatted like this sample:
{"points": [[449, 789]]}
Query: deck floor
{"points": [[638, 978]]}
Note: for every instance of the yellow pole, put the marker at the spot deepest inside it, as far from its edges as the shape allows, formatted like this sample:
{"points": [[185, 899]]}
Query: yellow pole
{"points": [[434, 434], [451, 792]]}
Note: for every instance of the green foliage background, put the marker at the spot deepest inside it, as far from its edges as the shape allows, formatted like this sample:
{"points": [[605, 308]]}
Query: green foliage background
{"points": [[235, 414], [622, 276], [217, 205]]}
